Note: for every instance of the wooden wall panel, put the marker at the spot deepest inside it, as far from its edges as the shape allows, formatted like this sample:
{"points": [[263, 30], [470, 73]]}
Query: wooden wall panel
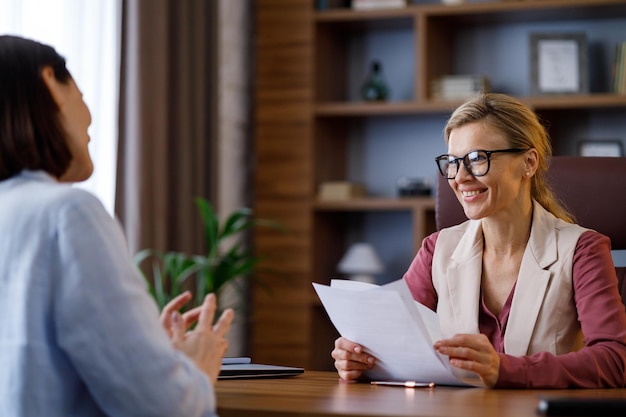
{"points": [[281, 299]]}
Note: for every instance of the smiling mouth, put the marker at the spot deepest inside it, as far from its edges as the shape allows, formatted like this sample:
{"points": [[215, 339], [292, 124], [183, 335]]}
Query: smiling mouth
{"points": [[471, 193]]}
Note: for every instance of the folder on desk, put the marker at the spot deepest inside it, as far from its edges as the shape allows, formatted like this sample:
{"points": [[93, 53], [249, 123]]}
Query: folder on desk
{"points": [[392, 327]]}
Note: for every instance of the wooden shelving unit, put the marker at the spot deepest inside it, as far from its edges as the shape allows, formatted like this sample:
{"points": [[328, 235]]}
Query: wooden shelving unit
{"points": [[304, 117], [564, 102]]}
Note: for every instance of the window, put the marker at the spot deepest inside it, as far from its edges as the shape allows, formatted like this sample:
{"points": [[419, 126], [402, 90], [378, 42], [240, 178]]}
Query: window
{"points": [[87, 34]]}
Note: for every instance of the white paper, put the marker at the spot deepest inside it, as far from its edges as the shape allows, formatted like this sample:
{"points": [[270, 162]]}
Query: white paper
{"points": [[392, 327]]}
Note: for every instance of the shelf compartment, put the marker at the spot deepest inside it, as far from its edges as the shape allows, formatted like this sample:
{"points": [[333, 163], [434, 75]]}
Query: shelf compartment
{"points": [[467, 31], [421, 208], [346, 44]]}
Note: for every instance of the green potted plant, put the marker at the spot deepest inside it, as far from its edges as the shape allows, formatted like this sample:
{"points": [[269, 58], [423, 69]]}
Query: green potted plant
{"points": [[226, 259]]}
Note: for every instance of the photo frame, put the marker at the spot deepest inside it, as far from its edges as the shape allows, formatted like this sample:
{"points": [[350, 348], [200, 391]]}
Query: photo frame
{"points": [[601, 148], [558, 63]]}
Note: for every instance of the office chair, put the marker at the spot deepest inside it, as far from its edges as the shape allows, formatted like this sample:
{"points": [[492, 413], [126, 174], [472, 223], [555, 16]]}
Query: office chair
{"points": [[592, 188]]}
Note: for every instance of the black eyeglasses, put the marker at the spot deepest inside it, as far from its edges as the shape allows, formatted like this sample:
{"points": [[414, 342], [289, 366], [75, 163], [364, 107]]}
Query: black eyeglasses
{"points": [[476, 162]]}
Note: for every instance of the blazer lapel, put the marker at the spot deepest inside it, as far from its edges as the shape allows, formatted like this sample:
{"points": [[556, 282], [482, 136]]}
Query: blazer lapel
{"points": [[532, 283], [464, 279]]}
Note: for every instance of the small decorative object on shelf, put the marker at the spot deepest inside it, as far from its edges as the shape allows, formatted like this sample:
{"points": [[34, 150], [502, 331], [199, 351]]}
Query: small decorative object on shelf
{"points": [[377, 4], [321, 4], [412, 187], [452, 2], [361, 263], [375, 87], [331, 4], [600, 148], [559, 63], [459, 87], [340, 190]]}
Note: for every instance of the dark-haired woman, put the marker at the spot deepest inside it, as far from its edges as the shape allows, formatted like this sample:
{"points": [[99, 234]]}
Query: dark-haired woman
{"points": [[79, 333]]}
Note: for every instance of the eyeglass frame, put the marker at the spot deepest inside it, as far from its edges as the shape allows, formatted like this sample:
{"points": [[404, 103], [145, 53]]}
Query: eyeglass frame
{"points": [[456, 160]]}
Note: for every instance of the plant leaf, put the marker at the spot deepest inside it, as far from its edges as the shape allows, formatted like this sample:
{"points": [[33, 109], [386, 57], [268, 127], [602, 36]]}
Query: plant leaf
{"points": [[238, 221], [210, 223]]}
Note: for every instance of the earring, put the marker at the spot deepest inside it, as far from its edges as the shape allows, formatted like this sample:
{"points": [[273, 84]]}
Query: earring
{"points": [[527, 174]]}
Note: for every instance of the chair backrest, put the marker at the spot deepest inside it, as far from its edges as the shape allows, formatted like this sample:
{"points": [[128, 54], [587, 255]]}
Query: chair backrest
{"points": [[592, 188]]}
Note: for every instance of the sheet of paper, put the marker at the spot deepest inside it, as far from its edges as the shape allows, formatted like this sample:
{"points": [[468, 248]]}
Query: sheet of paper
{"points": [[423, 316], [388, 324]]}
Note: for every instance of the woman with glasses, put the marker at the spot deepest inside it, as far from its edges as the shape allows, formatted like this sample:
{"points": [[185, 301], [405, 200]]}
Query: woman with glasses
{"points": [[525, 297]]}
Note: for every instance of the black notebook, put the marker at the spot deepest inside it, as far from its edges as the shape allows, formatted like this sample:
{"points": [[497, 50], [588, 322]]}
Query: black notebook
{"points": [[573, 407], [255, 370]]}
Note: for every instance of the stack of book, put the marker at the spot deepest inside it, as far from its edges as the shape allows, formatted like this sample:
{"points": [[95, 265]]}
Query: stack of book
{"points": [[377, 4], [459, 87], [619, 72], [340, 190]]}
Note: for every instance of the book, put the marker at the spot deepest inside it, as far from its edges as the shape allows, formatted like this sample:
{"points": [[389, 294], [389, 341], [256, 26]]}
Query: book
{"points": [[459, 86], [377, 4], [619, 69], [617, 64], [395, 329], [340, 190]]}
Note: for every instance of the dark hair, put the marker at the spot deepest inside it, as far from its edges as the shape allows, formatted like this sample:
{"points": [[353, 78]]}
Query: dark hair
{"points": [[31, 134], [522, 129]]}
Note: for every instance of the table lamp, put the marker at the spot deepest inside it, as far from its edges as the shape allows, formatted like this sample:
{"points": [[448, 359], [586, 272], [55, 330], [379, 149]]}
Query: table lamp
{"points": [[360, 263]]}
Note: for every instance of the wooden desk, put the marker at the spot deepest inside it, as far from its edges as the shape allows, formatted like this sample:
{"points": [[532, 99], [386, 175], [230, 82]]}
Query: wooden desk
{"points": [[317, 394]]}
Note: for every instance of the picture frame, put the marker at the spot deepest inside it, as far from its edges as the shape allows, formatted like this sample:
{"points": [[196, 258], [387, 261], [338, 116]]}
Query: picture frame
{"points": [[612, 148], [559, 63]]}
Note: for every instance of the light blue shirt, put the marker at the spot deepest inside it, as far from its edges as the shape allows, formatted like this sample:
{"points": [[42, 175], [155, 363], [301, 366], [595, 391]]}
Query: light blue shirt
{"points": [[79, 333]]}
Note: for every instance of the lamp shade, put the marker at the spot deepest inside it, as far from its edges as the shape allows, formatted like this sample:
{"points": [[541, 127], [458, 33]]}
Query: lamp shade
{"points": [[361, 262]]}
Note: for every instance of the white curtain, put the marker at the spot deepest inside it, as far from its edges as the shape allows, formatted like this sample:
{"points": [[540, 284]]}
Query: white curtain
{"points": [[87, 34]]}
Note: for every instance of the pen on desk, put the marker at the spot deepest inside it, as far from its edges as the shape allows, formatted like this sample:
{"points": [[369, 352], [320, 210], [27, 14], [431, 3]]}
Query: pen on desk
{"points": [[405, 384]]}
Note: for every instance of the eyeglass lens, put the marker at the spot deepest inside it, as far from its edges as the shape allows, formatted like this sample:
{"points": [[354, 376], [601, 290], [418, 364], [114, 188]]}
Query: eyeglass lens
{"points": [[476, 162]]}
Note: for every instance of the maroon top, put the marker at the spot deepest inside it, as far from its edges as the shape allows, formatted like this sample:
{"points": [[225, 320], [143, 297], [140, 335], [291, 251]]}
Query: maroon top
{"points": [[600, 363]]}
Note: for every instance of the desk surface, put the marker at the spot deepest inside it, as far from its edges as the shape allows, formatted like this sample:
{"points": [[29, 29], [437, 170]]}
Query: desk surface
{"points": [[316, 394]]}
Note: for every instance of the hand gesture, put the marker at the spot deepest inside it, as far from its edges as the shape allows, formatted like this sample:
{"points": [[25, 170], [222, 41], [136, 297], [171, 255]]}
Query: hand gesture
{"points": [[189, 317], [350, 360], [206, 343], [473, 352]]}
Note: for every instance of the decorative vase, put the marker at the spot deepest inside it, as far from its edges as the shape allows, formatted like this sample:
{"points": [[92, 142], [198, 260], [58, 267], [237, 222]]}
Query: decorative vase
{"points": [[375, 87]]}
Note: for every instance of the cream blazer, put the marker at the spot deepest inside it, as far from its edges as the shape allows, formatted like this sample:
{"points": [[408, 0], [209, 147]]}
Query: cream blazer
{"points": [[543, 315]]}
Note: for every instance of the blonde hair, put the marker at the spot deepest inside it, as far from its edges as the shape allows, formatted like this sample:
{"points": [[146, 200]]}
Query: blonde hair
{"points": [[522, 129]]}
